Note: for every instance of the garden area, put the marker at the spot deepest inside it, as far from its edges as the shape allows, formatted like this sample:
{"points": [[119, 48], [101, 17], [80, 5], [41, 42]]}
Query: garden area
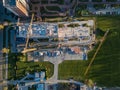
{"points": [[18, 67], [106, 66]]}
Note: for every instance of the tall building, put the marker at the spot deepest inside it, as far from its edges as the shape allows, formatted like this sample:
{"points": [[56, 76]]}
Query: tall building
{"points": [[18, 7]]}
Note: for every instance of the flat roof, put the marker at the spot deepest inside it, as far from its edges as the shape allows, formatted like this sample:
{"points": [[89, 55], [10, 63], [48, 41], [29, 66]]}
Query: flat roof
{"points": [[46, 30], [38, 30]]}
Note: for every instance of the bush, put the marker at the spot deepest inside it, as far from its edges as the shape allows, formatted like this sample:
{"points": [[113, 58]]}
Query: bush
{"points": [[73, 25], [1, 26], [60, 25]]}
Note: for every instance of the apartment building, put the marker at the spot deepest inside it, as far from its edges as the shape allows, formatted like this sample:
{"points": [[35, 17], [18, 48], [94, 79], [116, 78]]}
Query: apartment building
{"points": [[18, 7]]}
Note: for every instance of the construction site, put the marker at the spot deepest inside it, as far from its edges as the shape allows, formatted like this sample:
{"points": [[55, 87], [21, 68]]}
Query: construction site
{"points": [[49, 45]]}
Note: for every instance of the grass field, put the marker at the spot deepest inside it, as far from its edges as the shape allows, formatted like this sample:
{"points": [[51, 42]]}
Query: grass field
{"points": [[23, 68], [105, 70], [72, 69], [18, 69]]}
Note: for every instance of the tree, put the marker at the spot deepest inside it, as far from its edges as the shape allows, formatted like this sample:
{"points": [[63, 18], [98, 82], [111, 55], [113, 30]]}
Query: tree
{"points": [[5, 50], [61, 25], [1, 27]]}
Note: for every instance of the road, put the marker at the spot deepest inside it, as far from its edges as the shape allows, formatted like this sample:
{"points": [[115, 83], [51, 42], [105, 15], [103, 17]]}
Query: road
{"points": [[1, 58], [1, 46], [13, 41], [6, 57]]}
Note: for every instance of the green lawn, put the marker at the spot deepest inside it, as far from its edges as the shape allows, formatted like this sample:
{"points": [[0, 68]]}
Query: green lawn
{"points": [[106, 67], [31, 67], [72, 69], [105, 70], [18, 69]]}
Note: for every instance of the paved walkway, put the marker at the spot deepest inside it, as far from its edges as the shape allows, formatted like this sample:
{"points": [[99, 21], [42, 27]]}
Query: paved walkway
{"points": [[54, 79], [56, 63], [102, 40]]}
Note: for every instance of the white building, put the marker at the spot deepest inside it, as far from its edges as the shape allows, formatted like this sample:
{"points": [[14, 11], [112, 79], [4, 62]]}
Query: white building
{"points": [[108, 11]]}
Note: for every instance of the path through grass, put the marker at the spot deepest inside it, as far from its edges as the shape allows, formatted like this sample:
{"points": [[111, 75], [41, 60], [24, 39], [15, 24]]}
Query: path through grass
{"points": [[105, 70]]}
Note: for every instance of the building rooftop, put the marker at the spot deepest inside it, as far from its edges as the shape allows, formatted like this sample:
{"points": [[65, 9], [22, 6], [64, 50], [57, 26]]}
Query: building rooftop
{"points": [[46, 30], [9, 2], [38, 30]]}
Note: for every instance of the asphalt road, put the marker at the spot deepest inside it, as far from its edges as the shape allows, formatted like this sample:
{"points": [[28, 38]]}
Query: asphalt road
{"points": [[13, 41], [1, 46], [6, 57]]}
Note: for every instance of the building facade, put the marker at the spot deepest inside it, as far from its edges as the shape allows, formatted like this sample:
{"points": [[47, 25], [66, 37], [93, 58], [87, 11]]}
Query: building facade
{"points": [[18, 7]]}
